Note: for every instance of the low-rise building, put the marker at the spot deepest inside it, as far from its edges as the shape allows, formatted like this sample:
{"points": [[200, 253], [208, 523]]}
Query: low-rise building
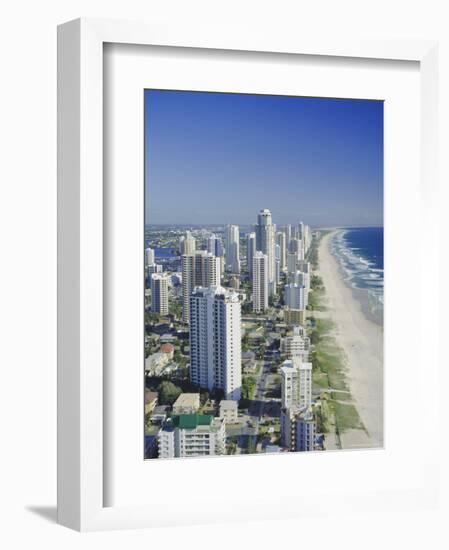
{"points": [[160, 414], [249, 361], [155, 363], [229, 411], [187, 403], [151, 398], [168, 338], [169, 349]]}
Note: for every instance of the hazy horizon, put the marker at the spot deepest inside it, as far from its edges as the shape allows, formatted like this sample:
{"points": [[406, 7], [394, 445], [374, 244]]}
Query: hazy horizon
{"points": [[226, 156]]}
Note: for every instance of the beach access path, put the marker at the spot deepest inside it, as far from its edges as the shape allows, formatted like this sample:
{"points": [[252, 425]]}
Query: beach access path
{"points": [[362, 342]]}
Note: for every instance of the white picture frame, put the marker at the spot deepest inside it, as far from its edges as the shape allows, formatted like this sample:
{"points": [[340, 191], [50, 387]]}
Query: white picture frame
{"points": [[81, 475]]}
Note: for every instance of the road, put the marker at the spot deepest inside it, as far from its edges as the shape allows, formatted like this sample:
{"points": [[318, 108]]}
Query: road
{"points": [[260, 405]]}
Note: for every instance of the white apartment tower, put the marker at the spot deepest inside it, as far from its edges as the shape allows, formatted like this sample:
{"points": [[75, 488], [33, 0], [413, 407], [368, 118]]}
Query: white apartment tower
{"points": [[149, 256], [265, 241], [281, 241], [187, 244], [212, 245], [288, 235], [296, 383], [233, 249], [215, 340], [159, 293], [296, 345], [277, 263], [250, 251], [200, 268], [187, 435], [260, 282]]}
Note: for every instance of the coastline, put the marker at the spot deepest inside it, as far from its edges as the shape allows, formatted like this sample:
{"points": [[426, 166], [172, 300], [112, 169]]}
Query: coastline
{"points": [[361, 339]]}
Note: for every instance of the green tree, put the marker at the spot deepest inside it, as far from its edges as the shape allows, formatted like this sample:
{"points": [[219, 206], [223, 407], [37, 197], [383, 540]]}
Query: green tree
{"points": [[168, 392], [248, 387]]}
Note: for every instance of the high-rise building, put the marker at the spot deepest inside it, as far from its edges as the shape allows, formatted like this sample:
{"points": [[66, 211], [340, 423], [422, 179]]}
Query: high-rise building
{"points": [[234, 282], [200, 268], [149, 256], [233, 249], [298, 429], [294, 317], [187, 435], [250, 251], [296, 383], [214, 245], [300, 278], [305, 431], [215, 340], [187, 244], [296, 345], [154, 268], [304, 266], [288, 235], [277, 263], [260, 282], [307, 239], [211, 244], [296, 246], [281, 241], [292, 262], [265, 241], [159, 293], [295, 296]]}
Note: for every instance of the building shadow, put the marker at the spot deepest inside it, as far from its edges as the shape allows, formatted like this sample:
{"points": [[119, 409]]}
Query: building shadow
{"points": [[49, 513]]}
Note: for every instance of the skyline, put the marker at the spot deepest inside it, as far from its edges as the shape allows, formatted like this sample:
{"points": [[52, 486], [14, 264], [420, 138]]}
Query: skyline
{"points": [[309, 154]]}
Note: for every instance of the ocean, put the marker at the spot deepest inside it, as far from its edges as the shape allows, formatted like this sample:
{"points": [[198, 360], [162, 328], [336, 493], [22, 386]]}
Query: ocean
{"points": [[360, 253]]}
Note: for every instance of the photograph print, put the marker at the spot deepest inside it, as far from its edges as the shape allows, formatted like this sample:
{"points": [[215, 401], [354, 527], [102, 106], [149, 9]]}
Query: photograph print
{"points": [[264, 272]]}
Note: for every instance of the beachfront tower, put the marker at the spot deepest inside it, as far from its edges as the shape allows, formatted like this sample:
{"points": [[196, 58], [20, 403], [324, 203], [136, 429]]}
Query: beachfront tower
{"points": [[298, 429], [296, 383], [295, 296]]}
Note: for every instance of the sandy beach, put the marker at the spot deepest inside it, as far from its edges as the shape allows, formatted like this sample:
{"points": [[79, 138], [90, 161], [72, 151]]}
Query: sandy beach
{"points": [[362, 341]]}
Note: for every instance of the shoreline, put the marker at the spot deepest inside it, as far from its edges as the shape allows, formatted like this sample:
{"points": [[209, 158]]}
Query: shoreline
{"points": [[360, 338]]}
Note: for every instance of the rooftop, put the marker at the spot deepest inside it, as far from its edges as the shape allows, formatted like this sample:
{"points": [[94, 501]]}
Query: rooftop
{"points": [[295, 363], [191, 421], [187, 399], [228, 404], [167, 348], [150, 396]]}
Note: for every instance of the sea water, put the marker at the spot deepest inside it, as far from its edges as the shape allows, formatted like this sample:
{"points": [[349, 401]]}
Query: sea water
{"points": [[360, 253]]}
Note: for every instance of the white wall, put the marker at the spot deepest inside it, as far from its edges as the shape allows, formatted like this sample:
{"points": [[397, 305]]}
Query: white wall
{"points": [[28, 252]]}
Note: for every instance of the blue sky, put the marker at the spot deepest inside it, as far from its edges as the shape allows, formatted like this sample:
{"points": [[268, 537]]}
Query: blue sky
{"points": [[219, 158]]}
